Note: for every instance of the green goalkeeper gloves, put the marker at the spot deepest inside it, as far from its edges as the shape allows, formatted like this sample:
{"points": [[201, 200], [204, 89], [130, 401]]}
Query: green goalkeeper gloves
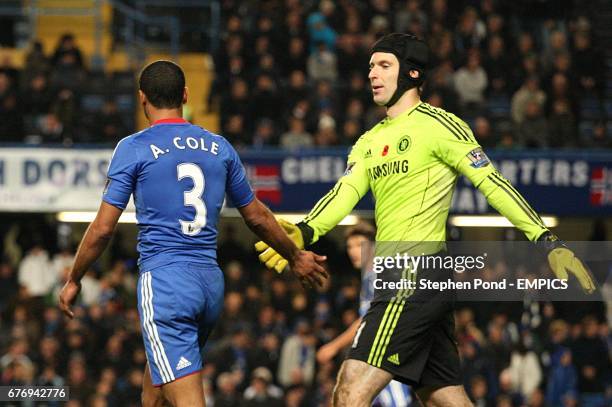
{"points": [[301, 234], [563, 262]]}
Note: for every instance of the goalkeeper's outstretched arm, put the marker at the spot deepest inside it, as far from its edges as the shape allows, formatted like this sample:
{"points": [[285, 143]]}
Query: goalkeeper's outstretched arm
{"points": [[328, 211], [502, 196], [467, 157]]}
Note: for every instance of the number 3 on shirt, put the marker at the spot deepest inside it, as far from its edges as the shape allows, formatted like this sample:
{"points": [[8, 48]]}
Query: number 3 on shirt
{"points": [[193, 198]]}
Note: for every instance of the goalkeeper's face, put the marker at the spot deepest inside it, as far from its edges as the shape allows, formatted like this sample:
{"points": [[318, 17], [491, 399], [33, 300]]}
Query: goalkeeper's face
{"points": [[384, 72]]}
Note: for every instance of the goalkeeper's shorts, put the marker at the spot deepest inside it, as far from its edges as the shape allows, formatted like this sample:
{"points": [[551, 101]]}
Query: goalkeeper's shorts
{"points": [[412, 337], [178, 305]]}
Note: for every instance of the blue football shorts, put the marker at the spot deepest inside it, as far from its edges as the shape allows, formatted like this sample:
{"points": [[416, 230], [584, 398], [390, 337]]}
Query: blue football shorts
{"points": [[178, 305]]}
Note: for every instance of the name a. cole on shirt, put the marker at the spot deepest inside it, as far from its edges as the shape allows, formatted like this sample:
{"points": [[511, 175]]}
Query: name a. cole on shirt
{"points": [[191, 143]]}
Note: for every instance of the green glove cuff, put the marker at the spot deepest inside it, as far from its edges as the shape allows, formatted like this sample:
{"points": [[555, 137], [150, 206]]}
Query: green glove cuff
{"points": [[307, 233], [549, 242]]}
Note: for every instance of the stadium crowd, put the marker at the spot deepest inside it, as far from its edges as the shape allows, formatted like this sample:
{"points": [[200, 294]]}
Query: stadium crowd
{"points": [[294, 73], [262, 352], [46, 101]]}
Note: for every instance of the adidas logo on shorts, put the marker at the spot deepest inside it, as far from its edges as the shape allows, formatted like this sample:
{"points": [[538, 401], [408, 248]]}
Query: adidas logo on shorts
{"points": [[394, 359], [183, 363]]}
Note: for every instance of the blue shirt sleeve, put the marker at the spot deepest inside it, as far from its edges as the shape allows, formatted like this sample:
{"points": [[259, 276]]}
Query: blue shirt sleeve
{"points": [[122, 174], [237, 184]]}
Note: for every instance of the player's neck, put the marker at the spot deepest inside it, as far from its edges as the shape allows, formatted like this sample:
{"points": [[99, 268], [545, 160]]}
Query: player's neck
{"points": [[163, 114], [409, 99]]}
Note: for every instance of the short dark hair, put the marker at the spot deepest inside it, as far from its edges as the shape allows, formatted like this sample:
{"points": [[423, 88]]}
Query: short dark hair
{"points": [[362, 228], [163, 83]]}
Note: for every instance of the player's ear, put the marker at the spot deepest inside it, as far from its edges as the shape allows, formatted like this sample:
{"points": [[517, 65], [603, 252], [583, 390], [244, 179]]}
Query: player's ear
{"points": [[185, 94], [141, 97]]}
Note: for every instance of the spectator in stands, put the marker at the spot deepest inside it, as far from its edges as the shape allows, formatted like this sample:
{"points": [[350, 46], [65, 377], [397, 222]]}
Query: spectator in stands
{"points": [[296, 136], [227, 395], [561, 388], [236, 356], [357, 89], [354, 112], [262, 46], [295, 90], [11, 122], [496, 64], [562, 64], [411, 10], [483, 132], [67, 72], [470, 31], [294, 25], [560, 88], [557, 44], [533, 131], [36, 102], [326, 135], [470, 84], [443, 49], [496, 27], [36, 63], [67, 52], [319, 31], [297, 361], [8, 285], [266, 102], [236, 102], [507, 390], [265, 134], [262, 392], [599, 138], [351, 131], [562, 125], [588, 64], [441, 83], [525, 370], [350, 55], [267, 65], [295, 59], [109, 124], [34, 277], [322, 64], [526, 46], [529, 92], [479, 391], [590, 357]]}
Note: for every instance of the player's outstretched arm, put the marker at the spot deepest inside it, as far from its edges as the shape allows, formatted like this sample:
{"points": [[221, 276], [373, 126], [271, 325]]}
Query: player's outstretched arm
{"points": [[328, 212], [459, 149], [325, 215], [92, 245], [510, 203], [306, 265], [328, 351]]}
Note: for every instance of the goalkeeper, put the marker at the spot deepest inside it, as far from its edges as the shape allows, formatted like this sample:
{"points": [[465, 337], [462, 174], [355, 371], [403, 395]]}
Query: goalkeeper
{"points": [[411, 161]]}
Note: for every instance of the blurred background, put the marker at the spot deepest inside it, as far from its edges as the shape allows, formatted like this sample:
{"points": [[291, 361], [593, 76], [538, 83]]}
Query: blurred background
{"points": [[286, 83]]}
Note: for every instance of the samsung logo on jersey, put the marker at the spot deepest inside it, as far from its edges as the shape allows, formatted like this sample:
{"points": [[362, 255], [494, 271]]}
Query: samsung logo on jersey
{"points": [[390, 168]]}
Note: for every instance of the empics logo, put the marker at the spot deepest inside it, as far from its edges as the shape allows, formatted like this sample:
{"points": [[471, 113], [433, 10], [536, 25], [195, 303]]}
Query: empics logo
{"points": [[478, 158]]}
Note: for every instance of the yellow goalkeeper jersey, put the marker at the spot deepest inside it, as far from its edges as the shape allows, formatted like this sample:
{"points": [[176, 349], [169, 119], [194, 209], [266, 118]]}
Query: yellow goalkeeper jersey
{"points": [[411, 163]]}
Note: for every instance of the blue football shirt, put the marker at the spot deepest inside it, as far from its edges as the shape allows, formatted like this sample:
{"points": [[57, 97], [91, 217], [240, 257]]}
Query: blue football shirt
{"points": [[179, 174]]}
